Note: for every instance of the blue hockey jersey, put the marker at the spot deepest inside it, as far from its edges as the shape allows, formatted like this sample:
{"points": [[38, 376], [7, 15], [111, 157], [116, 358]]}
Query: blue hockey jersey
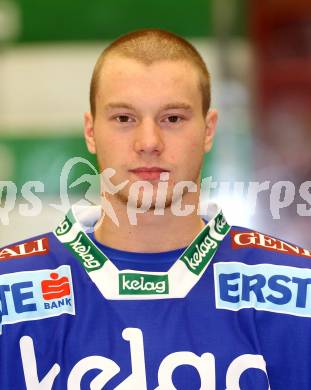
{"points": [[231, 311]]}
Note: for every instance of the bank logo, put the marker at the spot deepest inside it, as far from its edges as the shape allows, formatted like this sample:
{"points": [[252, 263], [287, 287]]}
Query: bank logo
{"points": [[29, 248], [259, 240], [56, 287], [142, 284], [33, 295], [269, 287]]}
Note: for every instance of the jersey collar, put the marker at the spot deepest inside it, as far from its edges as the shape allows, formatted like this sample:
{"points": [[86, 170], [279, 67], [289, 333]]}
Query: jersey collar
{"points": [[130, 284]]}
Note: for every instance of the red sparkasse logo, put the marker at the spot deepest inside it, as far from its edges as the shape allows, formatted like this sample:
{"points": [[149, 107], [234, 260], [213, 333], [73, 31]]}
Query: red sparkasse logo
{"points": [[258, 240], [56, 287], [29, 248]]}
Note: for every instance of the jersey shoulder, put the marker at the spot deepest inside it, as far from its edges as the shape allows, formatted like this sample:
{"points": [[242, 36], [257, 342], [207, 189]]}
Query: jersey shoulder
{"points": [[253, 247], [257, 271], [36, 282]]}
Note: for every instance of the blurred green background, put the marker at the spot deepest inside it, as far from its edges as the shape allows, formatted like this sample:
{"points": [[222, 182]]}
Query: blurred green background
{"points": [[258, 55], [76, 20]]}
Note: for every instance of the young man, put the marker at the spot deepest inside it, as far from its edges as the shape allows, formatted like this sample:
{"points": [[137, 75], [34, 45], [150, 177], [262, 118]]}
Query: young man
{"points": [[171, 301]]}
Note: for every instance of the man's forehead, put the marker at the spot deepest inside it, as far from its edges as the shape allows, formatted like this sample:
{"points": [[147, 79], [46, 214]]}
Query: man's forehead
{"points": [[124, 81], [118, 64]]}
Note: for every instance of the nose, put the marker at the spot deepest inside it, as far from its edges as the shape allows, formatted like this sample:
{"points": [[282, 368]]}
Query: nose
{"points": [[148, 138]]}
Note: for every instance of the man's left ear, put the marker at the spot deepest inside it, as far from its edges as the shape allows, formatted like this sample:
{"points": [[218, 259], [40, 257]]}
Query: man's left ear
{"points": [[210, 128]]}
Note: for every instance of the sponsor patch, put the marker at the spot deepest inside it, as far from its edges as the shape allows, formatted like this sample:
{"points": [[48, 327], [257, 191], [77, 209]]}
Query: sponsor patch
{"points": [[259, 240], [88, 255], [29, 248], [142, 284], [275, 288], [33, 295]]}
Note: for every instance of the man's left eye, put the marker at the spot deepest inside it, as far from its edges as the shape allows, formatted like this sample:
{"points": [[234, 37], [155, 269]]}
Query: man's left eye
{"points": [[173, 119]]}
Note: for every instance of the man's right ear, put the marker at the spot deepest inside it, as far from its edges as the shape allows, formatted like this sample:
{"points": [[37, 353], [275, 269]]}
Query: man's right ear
{"points": [[89, 132]]}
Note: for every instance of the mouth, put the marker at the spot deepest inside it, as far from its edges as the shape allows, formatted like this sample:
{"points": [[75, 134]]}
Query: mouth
{"points": [[148, 173]]}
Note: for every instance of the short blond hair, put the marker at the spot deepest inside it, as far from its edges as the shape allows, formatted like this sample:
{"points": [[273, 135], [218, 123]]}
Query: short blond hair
{"points": [[148, 46]]}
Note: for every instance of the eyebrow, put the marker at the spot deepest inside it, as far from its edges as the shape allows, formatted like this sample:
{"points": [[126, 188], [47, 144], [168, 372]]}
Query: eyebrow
{"points": [[177, 105], [169, 106], [111, 106]]}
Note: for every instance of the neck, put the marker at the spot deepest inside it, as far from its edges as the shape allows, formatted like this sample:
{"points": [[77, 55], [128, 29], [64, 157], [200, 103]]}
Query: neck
{"points": [[152, 233]]}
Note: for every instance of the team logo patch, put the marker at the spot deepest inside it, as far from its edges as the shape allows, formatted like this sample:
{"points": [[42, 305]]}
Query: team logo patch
{"points": [[259, 240], [33, 295], [275, 288], [29, 248]]}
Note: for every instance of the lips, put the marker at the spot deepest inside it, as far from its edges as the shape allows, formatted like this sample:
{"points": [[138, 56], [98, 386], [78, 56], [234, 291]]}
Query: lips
{"points": [[148, 173]]}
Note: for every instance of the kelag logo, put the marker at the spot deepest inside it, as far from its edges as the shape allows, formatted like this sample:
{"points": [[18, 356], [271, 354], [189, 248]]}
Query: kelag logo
{"points": [[142, 284], [32, 295], [269, 287]]}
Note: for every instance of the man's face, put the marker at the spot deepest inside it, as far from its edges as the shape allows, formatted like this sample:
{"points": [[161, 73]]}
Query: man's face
{"points": [[149, 120]]}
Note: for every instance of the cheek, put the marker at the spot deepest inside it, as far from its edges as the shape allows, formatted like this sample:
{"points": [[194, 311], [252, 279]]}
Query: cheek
{"points": [[187, 152], [109, 147], [194, 148], [193, 157]]}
